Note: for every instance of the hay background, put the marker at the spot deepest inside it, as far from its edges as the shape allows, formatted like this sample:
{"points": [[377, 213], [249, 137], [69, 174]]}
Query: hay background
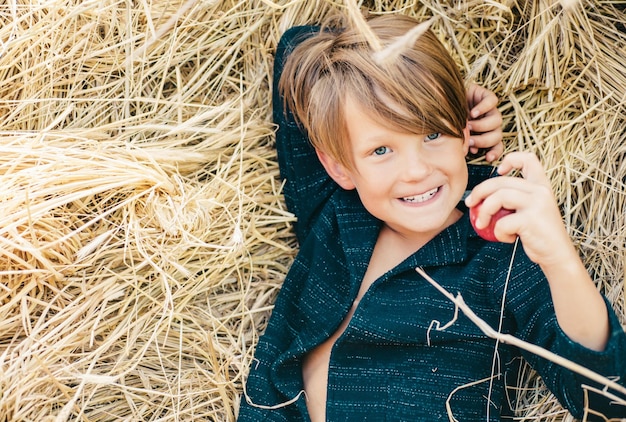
{"points": [[142, 232]]}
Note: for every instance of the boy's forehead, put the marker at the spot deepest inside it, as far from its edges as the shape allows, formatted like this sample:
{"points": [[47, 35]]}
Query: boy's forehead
{"points": [[358, 115], [362, 106], [373, 103], [394, 105]]}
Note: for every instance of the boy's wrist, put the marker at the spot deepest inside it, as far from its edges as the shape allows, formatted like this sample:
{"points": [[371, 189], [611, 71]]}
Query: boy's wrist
{"points": [[563, 260]]}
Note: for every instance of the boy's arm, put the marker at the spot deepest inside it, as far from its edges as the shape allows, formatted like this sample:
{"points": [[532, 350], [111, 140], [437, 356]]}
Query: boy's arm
{"points": [[580, 309], [307, 185], [578, 323], [527, 303]]}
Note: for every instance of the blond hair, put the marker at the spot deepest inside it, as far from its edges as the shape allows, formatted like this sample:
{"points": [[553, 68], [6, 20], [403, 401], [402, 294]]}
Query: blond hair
{"points": [[322, 71]]}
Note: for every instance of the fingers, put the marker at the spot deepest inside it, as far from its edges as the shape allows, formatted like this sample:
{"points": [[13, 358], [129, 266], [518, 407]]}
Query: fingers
{"points": [[495, 152], [490, 121], [500, 192], [480, 100], [536, 219], [529, 196], [486, 122], [507, 192], [529, 165], [491, 140], [534, 211]]}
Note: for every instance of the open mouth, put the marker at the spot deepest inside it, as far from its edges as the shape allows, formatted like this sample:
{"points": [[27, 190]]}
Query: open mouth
{"points": [[421, 198]]}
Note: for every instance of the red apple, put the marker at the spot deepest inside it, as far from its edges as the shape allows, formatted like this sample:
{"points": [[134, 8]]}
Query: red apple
{"points": [[487, 232]]}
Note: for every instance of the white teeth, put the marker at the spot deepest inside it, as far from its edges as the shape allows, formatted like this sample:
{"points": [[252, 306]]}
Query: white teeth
{"points": [[423, 197]]}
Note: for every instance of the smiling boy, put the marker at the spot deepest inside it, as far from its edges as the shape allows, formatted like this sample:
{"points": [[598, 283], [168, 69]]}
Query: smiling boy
{"points": [[352, 326]]}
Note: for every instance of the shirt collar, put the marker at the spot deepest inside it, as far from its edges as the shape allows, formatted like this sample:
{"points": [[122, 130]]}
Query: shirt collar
{"points": [[359, 230]]}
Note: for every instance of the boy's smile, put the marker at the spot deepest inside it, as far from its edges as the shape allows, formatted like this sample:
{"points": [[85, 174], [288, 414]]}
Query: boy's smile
{"points": [[422, 198], [412, 182]]}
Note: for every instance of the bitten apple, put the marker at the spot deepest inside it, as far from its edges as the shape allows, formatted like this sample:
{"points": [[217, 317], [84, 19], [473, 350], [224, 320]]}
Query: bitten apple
{"points": [[487, 232]]}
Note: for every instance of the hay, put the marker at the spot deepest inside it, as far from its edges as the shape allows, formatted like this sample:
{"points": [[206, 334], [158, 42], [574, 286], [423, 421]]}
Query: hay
{"points": [[143, 237]]}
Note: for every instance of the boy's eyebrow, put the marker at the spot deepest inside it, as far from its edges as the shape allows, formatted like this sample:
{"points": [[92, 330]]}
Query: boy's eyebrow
{"points": [[375, 139]]}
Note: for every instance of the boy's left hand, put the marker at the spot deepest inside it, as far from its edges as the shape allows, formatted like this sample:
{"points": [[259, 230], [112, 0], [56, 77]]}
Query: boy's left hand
{"points": [[485, 122], [537, 219]]}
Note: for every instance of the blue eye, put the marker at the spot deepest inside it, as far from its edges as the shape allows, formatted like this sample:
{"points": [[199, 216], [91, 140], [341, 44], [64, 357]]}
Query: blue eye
{"points": [[433, 136], [381, 151]]}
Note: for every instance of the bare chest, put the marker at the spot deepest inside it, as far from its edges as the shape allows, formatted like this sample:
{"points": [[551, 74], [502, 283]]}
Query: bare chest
{"points": [[316, 362]]}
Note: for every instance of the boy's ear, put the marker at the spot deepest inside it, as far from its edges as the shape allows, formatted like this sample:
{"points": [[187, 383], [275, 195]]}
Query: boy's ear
{"points": [[336, 170], [466, 138]]}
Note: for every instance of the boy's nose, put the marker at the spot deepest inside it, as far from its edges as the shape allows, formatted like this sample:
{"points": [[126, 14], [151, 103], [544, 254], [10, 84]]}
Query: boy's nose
{"points": [[415, 166]]}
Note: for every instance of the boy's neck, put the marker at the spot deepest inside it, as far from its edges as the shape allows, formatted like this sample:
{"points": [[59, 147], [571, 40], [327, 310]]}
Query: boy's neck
{"points": [[401, 246]]}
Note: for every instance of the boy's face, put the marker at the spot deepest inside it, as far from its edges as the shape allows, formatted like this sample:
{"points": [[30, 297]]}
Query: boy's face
{"points": [[411, 182]]}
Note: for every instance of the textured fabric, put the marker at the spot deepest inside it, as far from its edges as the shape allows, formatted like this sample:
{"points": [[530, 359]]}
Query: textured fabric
{"points": [[392, 363]]}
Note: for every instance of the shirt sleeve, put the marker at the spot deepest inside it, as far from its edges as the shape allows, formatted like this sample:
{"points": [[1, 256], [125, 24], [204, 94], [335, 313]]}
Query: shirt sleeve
{"points": [[528, 300], [307, 185]]}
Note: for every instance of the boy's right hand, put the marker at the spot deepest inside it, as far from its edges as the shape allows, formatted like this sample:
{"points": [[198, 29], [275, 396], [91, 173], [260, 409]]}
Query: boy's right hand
{"points": [[485, 122]]}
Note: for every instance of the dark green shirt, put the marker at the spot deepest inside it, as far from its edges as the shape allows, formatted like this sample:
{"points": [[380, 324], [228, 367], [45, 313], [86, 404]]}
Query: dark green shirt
{"points": [[392, 363]]}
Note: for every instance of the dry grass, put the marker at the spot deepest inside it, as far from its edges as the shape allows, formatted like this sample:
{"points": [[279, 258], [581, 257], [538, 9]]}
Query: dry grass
{"points": [[142, 232]]}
